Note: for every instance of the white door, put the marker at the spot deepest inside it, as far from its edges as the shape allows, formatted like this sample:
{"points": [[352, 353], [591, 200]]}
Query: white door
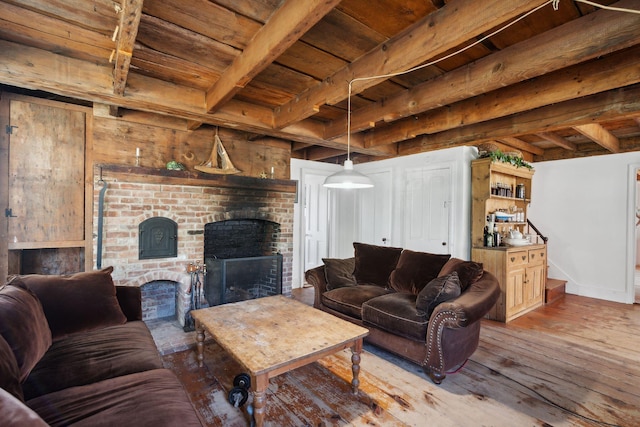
{"points": [[427, 208], [375, 210], [315, 219]]}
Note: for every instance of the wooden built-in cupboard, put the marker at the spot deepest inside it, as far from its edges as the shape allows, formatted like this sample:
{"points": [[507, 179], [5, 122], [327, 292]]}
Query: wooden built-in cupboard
{"points": [[44, 189], [521, 270]]}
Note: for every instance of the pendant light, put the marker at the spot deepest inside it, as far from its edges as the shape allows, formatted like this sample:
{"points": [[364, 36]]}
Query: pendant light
{"points": [[348, 178]]}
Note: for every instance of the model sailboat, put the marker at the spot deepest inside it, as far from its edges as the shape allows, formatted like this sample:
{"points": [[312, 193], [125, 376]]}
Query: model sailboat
{"points": [[219, 161]]}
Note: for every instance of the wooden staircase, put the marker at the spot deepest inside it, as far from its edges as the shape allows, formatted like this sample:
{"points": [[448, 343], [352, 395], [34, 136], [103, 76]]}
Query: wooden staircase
{"points": [[554, 290]]}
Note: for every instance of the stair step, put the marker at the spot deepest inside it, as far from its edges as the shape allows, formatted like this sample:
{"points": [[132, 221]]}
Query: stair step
{"points": [[554, 290]]}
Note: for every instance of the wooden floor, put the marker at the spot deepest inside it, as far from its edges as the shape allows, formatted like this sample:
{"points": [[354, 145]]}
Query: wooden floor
{"points": [[575, 362]]}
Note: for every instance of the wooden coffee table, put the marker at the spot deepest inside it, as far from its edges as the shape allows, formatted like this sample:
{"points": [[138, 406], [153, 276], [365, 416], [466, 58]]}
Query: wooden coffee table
{"points": [[273, 335]]}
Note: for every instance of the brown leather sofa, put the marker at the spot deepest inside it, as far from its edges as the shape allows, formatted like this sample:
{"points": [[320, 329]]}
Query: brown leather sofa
{"points": [[423, 307], [74, 351]]}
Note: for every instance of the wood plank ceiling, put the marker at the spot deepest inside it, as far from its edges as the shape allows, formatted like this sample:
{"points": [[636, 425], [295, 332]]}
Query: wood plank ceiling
{"points": [[560, 82]]}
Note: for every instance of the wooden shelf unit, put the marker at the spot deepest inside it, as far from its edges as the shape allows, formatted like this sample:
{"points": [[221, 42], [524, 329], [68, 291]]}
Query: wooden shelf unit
{"points": [[521, 270], [484, 173]]}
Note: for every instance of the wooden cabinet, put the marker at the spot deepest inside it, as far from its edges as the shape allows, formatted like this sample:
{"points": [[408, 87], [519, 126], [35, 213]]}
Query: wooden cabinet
{"points": [[520, 270]]}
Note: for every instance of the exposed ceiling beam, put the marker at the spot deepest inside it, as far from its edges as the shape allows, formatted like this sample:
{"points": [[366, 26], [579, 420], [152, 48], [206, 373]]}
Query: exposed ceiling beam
{"points": [[558, 140], [616, 70], [579, 40], [451, 26], [600, 136], [615, 104], [39, 69], [126, 39], [283, 29], [21, 24], [522, 145], [322, 153]]}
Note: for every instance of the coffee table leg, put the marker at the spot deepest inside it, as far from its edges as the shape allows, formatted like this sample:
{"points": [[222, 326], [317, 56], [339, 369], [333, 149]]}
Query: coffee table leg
{"points": [[260, 398], [200, 344], [355, 365]]}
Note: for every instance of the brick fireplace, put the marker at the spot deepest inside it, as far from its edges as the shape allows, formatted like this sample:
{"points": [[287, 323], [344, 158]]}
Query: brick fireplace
{"points": [[134, 195]]}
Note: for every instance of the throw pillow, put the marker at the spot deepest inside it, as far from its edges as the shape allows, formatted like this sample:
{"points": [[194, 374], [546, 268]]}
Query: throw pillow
{"points": [[78, 302], [339, 272], [415, 270], [23, 325], [469, 272], [437, 291], [374, 264]]}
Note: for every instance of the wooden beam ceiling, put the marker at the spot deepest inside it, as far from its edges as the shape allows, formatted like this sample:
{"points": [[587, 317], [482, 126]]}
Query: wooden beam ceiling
{"points": [[436, 34], [545, 84], [283, 29]]}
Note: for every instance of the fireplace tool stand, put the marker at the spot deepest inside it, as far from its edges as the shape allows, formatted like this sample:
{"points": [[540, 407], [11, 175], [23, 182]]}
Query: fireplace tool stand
{"points": [[197, 274]]}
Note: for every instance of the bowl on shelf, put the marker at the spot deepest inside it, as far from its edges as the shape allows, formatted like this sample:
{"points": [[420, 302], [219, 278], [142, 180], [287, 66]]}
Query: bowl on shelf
{"points": [[516, 242]]}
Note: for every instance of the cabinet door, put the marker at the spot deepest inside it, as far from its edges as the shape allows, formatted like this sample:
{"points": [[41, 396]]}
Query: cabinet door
{"points": [[534, 285], [46, 175], [516, 299]]}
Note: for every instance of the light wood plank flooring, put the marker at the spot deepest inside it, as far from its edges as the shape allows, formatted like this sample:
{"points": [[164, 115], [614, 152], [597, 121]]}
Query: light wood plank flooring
{"points": [[574, 362]]}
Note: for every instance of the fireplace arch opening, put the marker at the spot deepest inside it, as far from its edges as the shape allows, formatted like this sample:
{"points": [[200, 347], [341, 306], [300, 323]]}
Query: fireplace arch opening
{"points": [[242, 260]]}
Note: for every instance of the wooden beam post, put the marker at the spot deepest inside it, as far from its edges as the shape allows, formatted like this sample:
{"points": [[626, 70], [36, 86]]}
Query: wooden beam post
{"points": [[283, 29], [600, 136], [126, 37]]}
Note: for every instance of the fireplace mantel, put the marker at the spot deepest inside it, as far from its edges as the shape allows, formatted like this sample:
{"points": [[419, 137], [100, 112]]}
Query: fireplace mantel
{"points": [[142, 174]]}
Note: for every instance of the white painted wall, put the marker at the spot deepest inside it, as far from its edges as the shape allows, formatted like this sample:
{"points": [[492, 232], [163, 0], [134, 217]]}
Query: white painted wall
{"points": [[587, 209], [344, 212]]}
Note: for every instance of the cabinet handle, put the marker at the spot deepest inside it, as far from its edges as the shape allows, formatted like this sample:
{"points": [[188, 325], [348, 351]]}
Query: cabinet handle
{"points": [[513, 258], [533, 256], [524, 257]]}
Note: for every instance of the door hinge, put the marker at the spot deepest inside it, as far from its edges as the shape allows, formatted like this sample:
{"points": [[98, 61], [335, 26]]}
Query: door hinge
{"points": [[9, 213], [9, 129]]}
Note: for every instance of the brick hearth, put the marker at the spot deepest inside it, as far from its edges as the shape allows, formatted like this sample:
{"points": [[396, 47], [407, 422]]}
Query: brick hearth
{"points": [[128, 202]]}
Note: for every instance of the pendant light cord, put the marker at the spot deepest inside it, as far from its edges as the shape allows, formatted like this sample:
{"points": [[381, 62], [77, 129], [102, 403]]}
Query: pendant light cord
{"points": [[477, 42]]}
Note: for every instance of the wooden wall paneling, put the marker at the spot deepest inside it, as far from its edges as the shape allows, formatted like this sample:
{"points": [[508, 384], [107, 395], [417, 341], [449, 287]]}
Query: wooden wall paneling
{"points": [[4, 185], [116, 140], [88, 193], [46, 174]]}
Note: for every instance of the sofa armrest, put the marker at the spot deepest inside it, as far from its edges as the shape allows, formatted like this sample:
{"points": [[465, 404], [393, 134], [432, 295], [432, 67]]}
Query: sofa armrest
{"points": [[130, 300], [317, 279], [473, 304], [454, 329]]}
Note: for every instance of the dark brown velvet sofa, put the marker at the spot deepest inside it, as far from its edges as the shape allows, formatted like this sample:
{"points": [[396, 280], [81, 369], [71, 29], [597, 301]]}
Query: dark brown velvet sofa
{"points": [[423, 307], [75, 352]]}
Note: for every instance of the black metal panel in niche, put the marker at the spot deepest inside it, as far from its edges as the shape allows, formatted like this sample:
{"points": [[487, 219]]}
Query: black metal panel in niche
{"points": [[158, 238], [240, 238]]}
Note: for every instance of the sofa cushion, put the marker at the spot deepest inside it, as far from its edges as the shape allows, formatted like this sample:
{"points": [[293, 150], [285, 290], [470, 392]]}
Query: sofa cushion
{"points": [[349, 300], [150, 398], [16, 414], [93, 356], [78, 302], [23, 325], [339, 272], [469, 272], [374, 264], [9, 371], [396, 313], [415, 270], [437, 291]]}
